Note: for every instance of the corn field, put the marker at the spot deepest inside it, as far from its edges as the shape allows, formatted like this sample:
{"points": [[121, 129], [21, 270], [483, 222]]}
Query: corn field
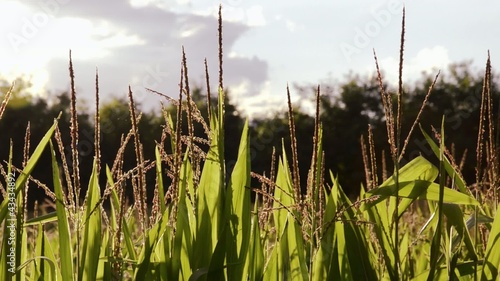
{"points": [[422, 223]]}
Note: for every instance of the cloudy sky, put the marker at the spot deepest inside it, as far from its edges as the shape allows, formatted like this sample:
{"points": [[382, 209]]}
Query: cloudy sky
{"points": [[267, 44]]}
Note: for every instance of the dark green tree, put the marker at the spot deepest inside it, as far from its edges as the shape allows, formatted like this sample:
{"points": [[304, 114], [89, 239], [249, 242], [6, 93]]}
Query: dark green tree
{"points": [[456, 97], [40, 113]]}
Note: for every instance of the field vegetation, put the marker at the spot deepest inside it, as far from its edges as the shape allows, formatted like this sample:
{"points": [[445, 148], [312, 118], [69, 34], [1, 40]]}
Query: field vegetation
{"points": [[420, 213]]}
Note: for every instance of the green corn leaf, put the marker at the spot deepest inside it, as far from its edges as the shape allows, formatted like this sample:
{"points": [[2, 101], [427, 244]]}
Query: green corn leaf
{"points": [[238, 217], [417, 169], [210, 193], [39, 269], [144, 266], [103, 271], [283, 193], [492, 255], [273, 269], [182, 248], [416, 183], [216, 267], [21, 237], [256, 252], [380, 215], [7, 265], [170, 124], [419, 189], [464, 271], [323, 259], [455, 218], [43, 219], [405, 259], [159, 177], [51, 269], [435, 248], [459, 181], [163, 259], [344, 265], [296, 251], [65, 250], [447, 165], [7, 261], [115, 207], [45, 267], [92, 234], [355, 243], [23, 177], [287, 224]]}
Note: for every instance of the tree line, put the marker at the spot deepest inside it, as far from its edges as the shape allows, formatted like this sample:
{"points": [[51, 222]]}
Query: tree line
{"points": [[347, 109]]}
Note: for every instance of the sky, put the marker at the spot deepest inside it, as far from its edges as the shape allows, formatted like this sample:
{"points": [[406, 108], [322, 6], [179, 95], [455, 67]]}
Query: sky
{"points": [[267, 44]]}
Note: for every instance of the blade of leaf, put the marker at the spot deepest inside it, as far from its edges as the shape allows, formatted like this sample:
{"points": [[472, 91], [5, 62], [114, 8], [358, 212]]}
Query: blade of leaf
{"points": [[256, 251], [183, 240], [210, 194], [159, 177], [91, 246], [238, 217], [492, 255], [115, 202], [65, 249], [23, 177]]}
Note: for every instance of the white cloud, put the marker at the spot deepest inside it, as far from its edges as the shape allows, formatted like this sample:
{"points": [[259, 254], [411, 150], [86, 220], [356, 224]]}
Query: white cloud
{"points": [[31, 54], [92, 40], [9, 19], [250, 16], [265, 103], [428, 60], [125, 37], [190, 30], [141, 3], [255, 16], [157, 3], [291, 25]]}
